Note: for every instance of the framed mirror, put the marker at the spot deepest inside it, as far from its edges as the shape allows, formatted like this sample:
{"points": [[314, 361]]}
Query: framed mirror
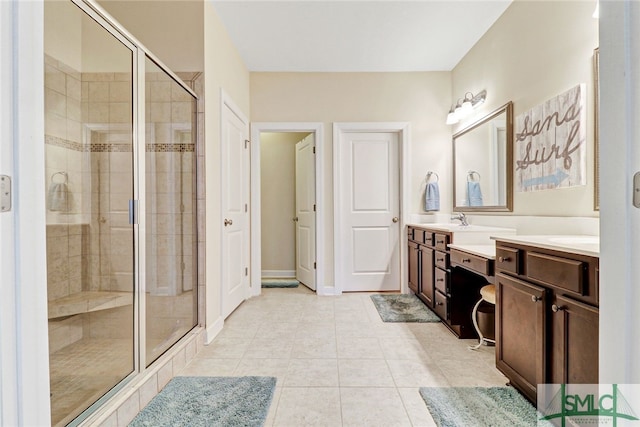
{"points": [[483, 164]]}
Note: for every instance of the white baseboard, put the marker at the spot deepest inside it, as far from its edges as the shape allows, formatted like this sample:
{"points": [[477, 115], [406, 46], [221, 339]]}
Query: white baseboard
{"points": [[213, 330], [280, 274]]}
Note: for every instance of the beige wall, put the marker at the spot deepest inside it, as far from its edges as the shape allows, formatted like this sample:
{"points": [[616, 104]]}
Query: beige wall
{"points": [[172, 30], [223, 69], [422, 99], [535, 51], [278, 199]]}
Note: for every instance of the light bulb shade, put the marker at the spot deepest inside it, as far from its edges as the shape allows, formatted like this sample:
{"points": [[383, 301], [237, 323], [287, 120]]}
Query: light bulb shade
{"points": [[466, 106], [452, 118]]}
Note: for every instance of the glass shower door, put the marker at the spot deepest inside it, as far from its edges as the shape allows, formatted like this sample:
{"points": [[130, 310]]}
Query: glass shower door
{"points": [[90, 242], [170, 204]]}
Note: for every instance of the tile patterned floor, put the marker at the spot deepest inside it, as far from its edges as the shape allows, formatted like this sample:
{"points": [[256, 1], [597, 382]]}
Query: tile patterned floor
{"points": [[337, 363]]}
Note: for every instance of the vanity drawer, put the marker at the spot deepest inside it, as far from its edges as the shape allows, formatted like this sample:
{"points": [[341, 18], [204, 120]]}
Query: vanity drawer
{"points": [[441, 241], [442, 260], [418, 235], [442, 281], [508, 259], [410, 231], [441, 306], [472, 262], [556, 271], [428, 238]]}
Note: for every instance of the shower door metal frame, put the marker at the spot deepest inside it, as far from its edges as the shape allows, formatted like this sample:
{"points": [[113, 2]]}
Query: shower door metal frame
{"points": [[106, 23]]}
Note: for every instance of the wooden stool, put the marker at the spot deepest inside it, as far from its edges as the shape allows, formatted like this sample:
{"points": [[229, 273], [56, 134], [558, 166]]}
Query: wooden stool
{"points": [[488, 294]]}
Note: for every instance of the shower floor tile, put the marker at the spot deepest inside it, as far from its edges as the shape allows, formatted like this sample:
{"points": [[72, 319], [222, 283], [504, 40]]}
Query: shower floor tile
{"points": [[83, 371]]}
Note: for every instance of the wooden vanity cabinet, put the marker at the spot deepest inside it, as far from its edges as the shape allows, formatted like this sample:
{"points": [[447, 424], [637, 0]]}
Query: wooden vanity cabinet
{"points": [[421, 264], [414, 267], [574, 338], [426, 276], [521, 323], [546, 317], [451, 296]]}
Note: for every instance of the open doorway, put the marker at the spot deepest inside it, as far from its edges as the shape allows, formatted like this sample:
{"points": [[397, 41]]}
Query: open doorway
{"points": [[285, 191], [288, 225]]}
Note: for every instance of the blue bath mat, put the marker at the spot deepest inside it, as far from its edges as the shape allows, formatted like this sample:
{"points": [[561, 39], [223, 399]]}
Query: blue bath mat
{"points": [[209, 401]]}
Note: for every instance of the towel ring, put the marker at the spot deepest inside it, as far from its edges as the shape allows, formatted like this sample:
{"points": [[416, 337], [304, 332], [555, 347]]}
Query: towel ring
{"points": [[432, 173], [64, 175], [470, 175]]}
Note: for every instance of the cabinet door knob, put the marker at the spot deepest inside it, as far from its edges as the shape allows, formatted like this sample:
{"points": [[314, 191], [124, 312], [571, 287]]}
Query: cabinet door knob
{"points": [[504, 259], [535, 298], [228, 222], [556, 308], [466, 260], [439, 303]]}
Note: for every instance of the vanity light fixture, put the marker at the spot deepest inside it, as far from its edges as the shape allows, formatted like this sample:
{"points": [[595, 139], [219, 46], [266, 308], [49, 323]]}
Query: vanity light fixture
{"points": [[464, 106], [451, 117]]}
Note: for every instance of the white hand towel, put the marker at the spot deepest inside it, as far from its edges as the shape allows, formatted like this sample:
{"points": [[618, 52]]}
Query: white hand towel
{"points": [[58, 197]]}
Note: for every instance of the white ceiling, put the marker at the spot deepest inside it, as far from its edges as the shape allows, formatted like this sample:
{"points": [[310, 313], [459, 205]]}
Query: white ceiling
{"points": [[334, 36]]}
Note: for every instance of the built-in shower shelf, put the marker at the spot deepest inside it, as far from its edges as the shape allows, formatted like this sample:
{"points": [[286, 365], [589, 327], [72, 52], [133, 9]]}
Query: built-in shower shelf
{"points": [[86, 302]]}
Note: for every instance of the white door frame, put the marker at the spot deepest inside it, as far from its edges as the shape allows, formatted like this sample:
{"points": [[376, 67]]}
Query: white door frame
{"points": [[256, 231], [404, 133], [227, 102], [619, 336], [24, 352]]}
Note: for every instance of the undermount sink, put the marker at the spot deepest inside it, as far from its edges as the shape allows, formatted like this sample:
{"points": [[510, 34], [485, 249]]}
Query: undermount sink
{"points": [[576, 240]]}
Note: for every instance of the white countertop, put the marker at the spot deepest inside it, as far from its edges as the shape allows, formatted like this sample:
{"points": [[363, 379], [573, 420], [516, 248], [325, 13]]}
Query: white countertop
{"points": [[457, 228], [577, 244], [485, 251], [468, 234]]}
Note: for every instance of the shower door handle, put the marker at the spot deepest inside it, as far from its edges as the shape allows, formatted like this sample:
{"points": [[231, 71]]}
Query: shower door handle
{"points": [[133, 212]]}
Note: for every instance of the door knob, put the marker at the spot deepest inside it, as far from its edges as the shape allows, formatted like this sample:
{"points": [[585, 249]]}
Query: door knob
{"points": [[556, 308], [295, 219], [395, 219], [228, 222]]}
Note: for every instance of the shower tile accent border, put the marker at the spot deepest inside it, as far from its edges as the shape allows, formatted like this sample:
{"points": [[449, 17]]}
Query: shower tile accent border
{"points": [[170, 148], [117, 148]]}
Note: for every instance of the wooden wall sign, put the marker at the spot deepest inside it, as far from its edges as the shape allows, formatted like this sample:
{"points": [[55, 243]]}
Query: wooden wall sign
{"points": [[551, 143]]}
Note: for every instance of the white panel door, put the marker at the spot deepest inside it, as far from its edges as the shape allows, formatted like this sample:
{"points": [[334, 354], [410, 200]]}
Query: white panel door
{"points": [[235, 192], [369, 211], [305, 213]]}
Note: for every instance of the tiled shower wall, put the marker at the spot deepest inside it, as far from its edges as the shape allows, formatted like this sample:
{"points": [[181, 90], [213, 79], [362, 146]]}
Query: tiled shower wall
{"points": [[98, 164], [67, 271]]}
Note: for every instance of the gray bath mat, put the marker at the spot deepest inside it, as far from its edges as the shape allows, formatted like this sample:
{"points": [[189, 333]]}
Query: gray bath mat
{"points": [[403, 308], [280, 283], [480, 407], [210, 401]]}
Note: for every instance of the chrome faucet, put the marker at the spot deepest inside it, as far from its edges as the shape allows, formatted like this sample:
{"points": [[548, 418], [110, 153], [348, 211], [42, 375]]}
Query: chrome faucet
{"points": [[460, 217]]}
